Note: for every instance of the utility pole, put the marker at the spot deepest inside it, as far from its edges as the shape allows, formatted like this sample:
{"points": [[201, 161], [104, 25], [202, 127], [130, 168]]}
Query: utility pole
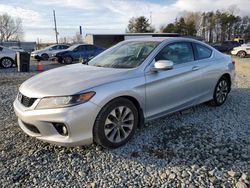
{"points": [[151, 17], [54, 13]]}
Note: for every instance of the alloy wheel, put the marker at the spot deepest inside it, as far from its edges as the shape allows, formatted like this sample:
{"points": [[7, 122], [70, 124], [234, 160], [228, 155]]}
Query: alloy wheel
{"points": [[67, 60], [222, 91], [6, 63], [119, 124], [242, 54]]}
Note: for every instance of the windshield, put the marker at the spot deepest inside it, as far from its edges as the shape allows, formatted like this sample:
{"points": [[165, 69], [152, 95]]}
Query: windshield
{"points": [[126, 55]]}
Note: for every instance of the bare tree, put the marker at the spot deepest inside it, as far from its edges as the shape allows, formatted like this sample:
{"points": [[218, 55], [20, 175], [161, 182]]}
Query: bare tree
{"points": [[77, 38], [10, 28]]}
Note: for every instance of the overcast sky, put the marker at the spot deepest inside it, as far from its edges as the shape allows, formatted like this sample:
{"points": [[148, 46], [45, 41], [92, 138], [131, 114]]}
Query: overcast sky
{"points": [[102, 16]]}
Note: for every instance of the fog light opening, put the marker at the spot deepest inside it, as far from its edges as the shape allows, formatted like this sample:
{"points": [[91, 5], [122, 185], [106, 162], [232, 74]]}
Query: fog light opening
{"points": [[61, 128]]}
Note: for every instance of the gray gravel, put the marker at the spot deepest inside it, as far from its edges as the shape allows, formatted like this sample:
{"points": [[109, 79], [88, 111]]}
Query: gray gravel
{"points": [[202, 147]]}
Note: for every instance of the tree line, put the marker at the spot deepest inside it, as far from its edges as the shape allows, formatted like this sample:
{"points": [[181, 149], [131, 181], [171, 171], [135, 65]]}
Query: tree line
{"points": [[213, 26], [10, 28]]}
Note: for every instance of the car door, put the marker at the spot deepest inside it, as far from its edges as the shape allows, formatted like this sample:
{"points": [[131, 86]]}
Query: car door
{"points": [[90, 51], [79, 52], [175, 89]]}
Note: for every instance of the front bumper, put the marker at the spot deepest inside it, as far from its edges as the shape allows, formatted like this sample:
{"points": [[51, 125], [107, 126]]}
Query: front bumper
{"points": [[78, 119], [234, 52], [33, 55]]}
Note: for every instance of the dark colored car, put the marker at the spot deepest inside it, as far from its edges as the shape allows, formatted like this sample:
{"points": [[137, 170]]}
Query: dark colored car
{"points": [[77, 52], [226, 46]]}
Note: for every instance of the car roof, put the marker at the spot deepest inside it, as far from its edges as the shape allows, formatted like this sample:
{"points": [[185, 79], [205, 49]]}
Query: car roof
{"points": [[170, 39], [57, 45], [162, 39]]}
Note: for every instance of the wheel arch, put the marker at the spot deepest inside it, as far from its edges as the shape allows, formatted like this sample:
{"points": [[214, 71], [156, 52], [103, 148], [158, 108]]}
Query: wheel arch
{"points": [[228, 76], [6, 57], [138, 107], [135, 101], [241, 51]]}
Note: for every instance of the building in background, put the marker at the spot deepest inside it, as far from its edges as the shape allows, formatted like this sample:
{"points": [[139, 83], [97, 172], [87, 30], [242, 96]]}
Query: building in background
{"points": [[27, 46], [107, 40]]}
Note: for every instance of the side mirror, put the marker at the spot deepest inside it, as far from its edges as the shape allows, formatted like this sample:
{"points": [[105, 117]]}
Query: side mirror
{"points": [[162, 65]]}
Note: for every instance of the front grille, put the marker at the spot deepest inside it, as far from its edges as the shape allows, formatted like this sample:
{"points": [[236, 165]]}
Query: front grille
{"points": [[32, 128], [26, 101]]}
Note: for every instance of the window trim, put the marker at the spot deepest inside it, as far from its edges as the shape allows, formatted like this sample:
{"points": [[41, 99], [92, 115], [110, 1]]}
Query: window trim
{"points": [[196, 56]]}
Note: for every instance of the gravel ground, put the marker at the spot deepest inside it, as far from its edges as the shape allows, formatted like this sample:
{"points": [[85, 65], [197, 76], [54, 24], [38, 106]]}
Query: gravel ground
{"points": [[202, 147]]}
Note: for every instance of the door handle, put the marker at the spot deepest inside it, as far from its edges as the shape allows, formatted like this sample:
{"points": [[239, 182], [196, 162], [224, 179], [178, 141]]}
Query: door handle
{"points": [[195, 68]]}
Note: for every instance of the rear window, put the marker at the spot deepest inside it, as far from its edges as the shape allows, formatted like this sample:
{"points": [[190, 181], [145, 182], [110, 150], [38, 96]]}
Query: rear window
{"points": [[202, 52]]}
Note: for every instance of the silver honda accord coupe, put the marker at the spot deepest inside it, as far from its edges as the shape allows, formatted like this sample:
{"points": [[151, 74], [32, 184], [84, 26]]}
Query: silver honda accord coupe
{"points": [[119, 90]]}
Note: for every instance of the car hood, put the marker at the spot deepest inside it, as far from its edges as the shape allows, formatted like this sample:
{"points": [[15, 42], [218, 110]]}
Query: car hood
{"points": [[70, 80], [36, 51]]}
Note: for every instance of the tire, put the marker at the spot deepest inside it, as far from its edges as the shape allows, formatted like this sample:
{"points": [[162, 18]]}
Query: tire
{"points": [[116, 123], [242, 54], [67, 60], [221, 91], [6, 62], [45, 57]]}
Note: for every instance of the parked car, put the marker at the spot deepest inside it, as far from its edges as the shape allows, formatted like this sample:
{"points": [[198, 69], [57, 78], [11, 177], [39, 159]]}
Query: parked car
{"points": [[133, 82], [46, 53], [241, 51], [7, 57], [77, 51], [17, 49], [226, 46]]}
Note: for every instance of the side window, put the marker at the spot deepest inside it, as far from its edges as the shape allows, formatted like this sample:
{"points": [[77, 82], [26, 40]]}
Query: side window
{"points": [[54, 48], [60, 47], [1, 49], [202, 52], [81, 48], [89, 47], [226, 43], [179, 52], [64, 47]]}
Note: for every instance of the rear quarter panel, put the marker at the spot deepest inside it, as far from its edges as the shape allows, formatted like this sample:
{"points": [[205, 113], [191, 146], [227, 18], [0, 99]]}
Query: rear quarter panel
{"points": [[213, 69]]}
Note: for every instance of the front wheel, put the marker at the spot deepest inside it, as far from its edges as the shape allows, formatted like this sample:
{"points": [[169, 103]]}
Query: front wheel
{"points": [[221, 91], [116, 123], [45, 57], [67, 60]]}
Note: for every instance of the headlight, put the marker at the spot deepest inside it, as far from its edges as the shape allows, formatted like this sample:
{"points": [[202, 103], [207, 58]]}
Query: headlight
{"points": [[64, 101]]}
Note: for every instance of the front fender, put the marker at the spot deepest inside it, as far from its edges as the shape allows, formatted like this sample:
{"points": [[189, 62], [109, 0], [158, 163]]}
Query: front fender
{"points": [[134, 87]]}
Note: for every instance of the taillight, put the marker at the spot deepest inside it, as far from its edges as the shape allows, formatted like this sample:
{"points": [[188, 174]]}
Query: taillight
{"points": [[233, 62]]}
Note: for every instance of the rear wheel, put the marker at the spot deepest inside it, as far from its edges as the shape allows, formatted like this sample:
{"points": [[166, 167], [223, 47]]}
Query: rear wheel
{"points": [[6, 62], [116, 123], [221, 91], [67, 60], [242, 54]]}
